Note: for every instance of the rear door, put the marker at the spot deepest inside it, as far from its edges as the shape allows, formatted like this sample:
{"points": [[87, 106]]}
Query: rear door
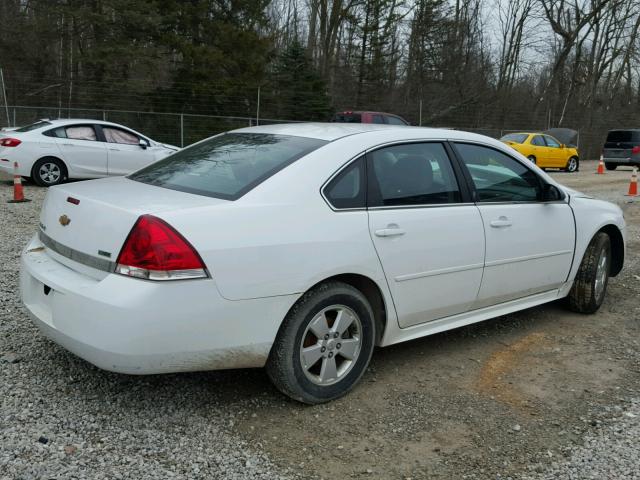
{"points": [[556, 153], [428, 236], [529, 243], [125, 154], [83, 153], [541, 151]]}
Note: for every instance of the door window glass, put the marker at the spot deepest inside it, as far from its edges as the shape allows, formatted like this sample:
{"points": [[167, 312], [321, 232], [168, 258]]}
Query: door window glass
{"points": [[551, 142], [347, 190], [116, 135], [391, 120], [81, 132], [498, 177], [377, 119], [56, 132], [412, 174], [538, 141]]}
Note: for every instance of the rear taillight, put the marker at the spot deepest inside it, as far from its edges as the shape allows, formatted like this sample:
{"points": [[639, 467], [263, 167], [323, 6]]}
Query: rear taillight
{"points": [[636, 149], [9, 142], [154, 250]]}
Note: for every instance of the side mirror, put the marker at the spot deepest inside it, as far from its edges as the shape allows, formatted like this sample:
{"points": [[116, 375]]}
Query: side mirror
{"points": [[551, 193], [144, 144]]}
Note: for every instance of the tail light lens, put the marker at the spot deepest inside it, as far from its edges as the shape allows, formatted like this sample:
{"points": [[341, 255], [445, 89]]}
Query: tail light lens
{"points": [[636, 149], [154, 250], [10, 142]]}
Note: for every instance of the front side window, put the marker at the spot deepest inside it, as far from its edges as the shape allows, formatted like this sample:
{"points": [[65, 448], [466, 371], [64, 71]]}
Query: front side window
{"points": [[347, 189], [117, 135], [498, 177], [391, 120], [227, 166], [538, 141], [551, 142], [81, 132], [412, 174]]}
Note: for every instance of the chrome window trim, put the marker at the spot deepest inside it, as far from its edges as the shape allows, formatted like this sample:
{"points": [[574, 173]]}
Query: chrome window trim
{"points": [[75, 255], [425, 205]]}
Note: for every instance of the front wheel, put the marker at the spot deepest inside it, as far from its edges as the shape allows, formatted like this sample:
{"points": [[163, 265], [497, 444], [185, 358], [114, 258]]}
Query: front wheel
{"points": [[590, 284], [48, 172], [611, 166], [324, 344], [572, 165]]}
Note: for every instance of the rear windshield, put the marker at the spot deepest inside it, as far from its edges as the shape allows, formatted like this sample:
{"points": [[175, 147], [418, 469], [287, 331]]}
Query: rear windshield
{"points": [[227, 166], [615, 136], [347, 118], [515, 137], [33, 126]]}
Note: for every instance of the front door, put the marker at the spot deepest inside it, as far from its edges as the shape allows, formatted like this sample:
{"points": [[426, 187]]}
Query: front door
{"points": [[126, 155], [430, 242], [529, 243]]}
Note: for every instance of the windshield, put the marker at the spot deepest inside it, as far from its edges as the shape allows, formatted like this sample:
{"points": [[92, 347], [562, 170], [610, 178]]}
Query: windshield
{"points": [[515, 137], [623, 136], [34, 126], [227, 166]]}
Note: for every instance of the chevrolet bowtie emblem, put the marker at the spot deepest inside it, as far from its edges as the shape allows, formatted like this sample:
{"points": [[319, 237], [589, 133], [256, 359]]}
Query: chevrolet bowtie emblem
{"points": [[64, 220]]}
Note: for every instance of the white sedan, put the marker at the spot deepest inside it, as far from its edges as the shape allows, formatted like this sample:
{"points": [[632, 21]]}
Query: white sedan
{"points": [[301, 247], [52, 151]]}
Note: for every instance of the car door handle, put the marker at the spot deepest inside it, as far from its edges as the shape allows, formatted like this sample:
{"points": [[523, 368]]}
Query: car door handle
{"points": [[389, 232], [501, 222], [68, 144], [114, 149]]}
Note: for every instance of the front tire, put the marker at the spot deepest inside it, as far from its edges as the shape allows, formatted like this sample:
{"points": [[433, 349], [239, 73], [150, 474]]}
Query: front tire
{"points": [[49, 171], [573, 164], [324, 344], [590, 284], [611, 166]]}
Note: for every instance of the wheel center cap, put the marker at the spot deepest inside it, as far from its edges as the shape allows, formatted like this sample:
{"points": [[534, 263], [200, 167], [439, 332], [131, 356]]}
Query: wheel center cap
{"points": [[331, 344]]}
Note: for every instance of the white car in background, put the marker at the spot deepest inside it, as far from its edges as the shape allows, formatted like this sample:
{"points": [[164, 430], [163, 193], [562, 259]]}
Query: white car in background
{"points": [[52, 151], [301, 247]]}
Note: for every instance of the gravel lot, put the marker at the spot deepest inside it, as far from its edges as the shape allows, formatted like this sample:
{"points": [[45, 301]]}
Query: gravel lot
{"points": [[540, 394]]}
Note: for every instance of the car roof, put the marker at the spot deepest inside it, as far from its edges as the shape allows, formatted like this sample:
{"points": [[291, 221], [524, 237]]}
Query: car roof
{"points": [[69, 121], [336, 131]]}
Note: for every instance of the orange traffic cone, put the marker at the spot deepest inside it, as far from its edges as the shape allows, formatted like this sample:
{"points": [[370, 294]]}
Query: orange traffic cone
{"points": [[633, 186], [600, 166], [18, 193]]}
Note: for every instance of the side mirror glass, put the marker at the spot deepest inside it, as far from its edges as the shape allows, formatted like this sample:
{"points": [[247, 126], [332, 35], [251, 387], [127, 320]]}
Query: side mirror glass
{"points": [[551, 193], [144, 144]]}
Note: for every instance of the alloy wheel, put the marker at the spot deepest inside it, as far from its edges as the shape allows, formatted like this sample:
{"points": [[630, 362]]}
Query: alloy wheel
{"points": [[49, 172]]}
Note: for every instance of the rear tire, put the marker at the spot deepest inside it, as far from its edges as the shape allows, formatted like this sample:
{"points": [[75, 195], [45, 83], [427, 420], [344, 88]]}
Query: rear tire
{"points": [[611, 166], [313, 360], [532, 159], [49, 171], [590, 285]]}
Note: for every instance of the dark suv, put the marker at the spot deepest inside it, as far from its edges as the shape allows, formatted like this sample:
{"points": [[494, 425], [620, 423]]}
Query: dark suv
{"points": [[622, 147], [369, 117]]}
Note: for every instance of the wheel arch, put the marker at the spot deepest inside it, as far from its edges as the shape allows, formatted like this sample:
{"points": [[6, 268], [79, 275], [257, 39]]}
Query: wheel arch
{"points": [[371, 290], [617, 248]]}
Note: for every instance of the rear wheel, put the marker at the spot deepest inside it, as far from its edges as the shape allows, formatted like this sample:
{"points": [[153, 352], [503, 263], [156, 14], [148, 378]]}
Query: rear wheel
{"points": [[532, 159], [48, 171], [324, 344], [572, 165], [590, 284], [611, 166]]}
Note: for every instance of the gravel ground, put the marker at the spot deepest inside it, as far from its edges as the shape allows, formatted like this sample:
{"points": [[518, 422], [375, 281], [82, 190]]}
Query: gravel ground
{"points": [[540, 394]]}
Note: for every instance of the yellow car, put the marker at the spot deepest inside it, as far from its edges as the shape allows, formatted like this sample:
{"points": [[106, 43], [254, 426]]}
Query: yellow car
{"points": [[544, 150]]}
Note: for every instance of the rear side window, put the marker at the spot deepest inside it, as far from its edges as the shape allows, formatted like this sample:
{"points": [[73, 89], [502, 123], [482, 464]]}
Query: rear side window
{"points": [[498, 177], [412, 174], [622, 136], [538, 141], [227, 166], [81, 132], [347, 118], [515, 137], [56, 132], [377, 119], [347, 189]]}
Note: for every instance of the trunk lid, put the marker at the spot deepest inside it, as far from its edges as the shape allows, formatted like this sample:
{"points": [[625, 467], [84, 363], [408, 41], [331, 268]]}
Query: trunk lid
{"points": [[93, 231], [619, 143]]}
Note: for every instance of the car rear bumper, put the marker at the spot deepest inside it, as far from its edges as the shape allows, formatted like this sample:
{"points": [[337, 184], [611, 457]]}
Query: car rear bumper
{"points": [[622, 160], [135, 326]]}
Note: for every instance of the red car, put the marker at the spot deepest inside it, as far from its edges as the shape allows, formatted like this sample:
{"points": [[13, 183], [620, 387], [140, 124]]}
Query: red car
{"points": [[369, 117]]}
